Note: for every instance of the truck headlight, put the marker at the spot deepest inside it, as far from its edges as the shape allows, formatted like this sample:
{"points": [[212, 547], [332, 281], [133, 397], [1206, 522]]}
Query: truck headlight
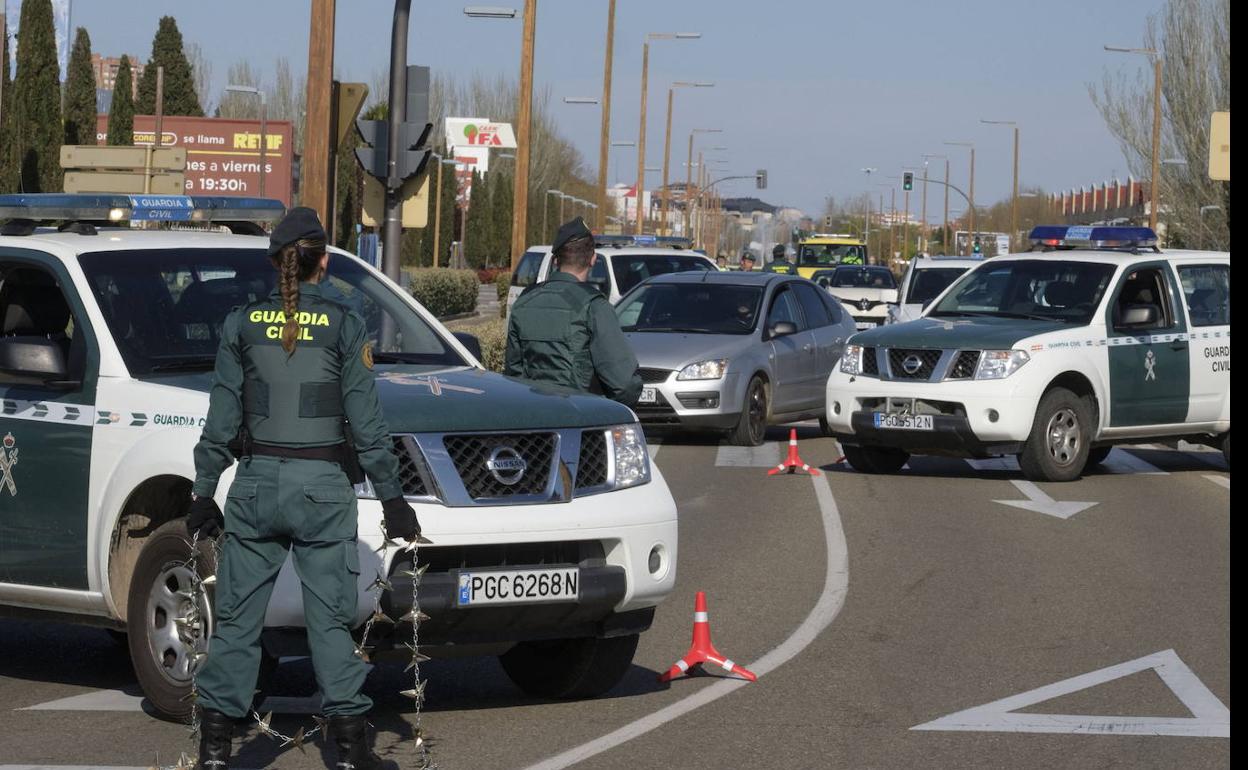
{"points": [[999, 364], [851, 360], [632, 460], [704, 370]]}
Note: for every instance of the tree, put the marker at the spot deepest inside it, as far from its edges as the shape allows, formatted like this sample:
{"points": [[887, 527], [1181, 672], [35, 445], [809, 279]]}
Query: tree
{"points": [[121, 111], [477, 220], [179, 87], [80, 104], [500, 217], [240, 106], [1193, 38], [201, 68], [8, 176], [36, 105]]}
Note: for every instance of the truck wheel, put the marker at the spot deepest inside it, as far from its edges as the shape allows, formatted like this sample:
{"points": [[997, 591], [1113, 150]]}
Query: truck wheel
{"points": [[1058, 447], [825, 428], [1096, 456], [569, 668], [874, 459], [751, 428]]}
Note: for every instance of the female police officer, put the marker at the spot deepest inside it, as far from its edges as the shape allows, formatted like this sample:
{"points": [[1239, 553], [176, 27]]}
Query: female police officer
{"points": [[289, 370]]}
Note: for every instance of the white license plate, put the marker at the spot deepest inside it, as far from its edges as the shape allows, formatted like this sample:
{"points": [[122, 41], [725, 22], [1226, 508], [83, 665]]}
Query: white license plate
{"points": [[865, 324], [550, 584], [648, 396], [904, 421]]}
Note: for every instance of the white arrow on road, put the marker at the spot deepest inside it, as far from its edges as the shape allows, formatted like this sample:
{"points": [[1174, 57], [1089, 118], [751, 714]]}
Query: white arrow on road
{"points": [[1039, 502]]}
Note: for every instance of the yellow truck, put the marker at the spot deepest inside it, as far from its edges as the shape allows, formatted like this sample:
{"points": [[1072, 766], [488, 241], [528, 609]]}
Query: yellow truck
{"points": [[820, 252]]}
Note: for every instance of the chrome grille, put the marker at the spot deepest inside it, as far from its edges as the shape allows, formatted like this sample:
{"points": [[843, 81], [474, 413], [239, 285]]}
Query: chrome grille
{"points": [[470, 454], [652, 376], [869, 364], [409, 468], [927, 362], [591, 467], [964, 365]]}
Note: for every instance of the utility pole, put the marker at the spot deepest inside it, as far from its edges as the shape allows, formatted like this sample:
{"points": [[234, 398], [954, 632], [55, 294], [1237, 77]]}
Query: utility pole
{"points": [[1154, 183], [945, 239], [892, 225], [524, 136], [604, 139], [1014, 198], [641, 134], [314, 185]]}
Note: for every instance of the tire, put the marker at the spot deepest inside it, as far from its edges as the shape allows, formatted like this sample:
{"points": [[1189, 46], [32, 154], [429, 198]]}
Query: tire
{"points": [[1096, 456], [825, 428], [160, 652], [569, 669], [1059, 444], [751, 427], [874, 459], [1226, 448]]}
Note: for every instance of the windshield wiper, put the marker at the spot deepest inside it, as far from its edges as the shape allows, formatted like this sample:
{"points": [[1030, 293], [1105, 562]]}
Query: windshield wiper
{"points": [[676, 329], [410, 358], [185, 364]]}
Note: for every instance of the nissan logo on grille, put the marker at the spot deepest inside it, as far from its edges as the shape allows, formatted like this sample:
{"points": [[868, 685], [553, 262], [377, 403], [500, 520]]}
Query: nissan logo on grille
{"points": [[506, 465], [911, 364]]}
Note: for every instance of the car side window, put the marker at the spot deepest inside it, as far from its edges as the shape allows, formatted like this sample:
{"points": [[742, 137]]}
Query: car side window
{"points": [[812, 306], [32, 306], [1144, 287], [527, 270], [1207, 292], [784, 310]]}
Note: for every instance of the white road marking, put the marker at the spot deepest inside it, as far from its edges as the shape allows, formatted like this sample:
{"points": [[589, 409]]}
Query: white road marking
{"points": [[1122, 461], [765, 456], [1039, 502], [1006, 463], [1222, 481], [117, 700], [654, 447], [1210, 717], [832, 598]]}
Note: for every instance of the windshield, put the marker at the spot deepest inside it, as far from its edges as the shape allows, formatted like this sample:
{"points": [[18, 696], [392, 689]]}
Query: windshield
{"points": [[927, 284], [165, 308], [862, 278], [1042, 289], [694, 308], [632, 269], [828, 253]]}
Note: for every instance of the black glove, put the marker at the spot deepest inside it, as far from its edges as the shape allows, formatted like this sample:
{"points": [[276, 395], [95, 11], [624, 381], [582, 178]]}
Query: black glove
{"points": [[204, 518], [400, 519]]}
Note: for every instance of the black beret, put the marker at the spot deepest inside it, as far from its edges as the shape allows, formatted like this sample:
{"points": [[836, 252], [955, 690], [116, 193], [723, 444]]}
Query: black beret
{"points": [[778, 251], [571, 231], [301, 224], [749, 256]]}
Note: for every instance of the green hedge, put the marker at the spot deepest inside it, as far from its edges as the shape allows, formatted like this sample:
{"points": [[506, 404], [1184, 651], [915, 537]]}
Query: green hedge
{"points": [[502, 282], [445, 292], [493, 337]]}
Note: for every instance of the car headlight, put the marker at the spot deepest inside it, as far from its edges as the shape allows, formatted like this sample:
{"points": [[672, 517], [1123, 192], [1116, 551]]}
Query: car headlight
{"points": [[999, 364], [632, 460], [851, 360], [704, 370]]}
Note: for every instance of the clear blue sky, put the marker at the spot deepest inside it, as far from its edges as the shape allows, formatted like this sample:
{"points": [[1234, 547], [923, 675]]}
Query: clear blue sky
{"points": [[812, 90]]}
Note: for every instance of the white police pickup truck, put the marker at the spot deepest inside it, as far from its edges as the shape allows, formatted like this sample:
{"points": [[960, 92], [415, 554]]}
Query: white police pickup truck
{"points": [[1095, 337], [106, 349]]}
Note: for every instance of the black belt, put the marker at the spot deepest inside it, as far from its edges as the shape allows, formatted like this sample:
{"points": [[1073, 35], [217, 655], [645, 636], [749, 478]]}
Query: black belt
{"points": [[334, 453]]}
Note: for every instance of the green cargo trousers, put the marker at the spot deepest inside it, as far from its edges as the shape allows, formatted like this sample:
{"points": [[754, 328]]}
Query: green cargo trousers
{"points": [[276, 506]]}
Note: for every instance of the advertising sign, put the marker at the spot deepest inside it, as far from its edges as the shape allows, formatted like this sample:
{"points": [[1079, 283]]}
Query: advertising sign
{"points": [[479, 132], [223, 155]]}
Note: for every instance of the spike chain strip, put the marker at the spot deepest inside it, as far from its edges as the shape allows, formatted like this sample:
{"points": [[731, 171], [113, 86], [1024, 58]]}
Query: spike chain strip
{"points": [[193, 622]]}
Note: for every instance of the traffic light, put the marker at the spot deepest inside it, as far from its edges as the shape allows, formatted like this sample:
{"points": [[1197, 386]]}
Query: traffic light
{"points": [[760, 177], [977, 249], [907, 180]]}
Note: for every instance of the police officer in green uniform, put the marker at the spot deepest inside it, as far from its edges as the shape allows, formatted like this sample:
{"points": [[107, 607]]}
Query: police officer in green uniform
{"points": [[747, 262], [564, 332], [779, 262], [290, 370]]}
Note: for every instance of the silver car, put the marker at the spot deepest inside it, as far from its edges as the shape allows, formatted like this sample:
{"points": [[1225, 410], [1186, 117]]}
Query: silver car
{"points": [[733, 352]]}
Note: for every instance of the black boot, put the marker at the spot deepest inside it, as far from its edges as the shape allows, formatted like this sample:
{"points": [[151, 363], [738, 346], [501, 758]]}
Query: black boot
{"points": [[216, 731], [350, 733]]}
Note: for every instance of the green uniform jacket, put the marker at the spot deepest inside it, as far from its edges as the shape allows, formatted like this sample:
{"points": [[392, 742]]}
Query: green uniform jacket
{"points": [[297, 400], [781, 266], [565, 333]]}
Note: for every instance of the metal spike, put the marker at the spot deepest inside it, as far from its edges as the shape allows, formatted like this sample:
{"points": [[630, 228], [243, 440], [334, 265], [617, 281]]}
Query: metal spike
{"points": [[322, 723], [381, 583], [211, 580], [190, 696], [414, 616], [185, 762], [296, 740], [381, 617], [416, 693], [264, 721], [362, 653], [386, 543]]}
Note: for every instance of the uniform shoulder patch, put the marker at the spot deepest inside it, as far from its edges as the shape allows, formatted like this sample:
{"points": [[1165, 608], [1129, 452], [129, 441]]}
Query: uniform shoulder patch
{"points": [[366, 354]]}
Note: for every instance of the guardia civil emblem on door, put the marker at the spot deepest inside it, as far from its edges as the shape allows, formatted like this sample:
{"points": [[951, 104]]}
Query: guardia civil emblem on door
{"points": [[1150, 365], [8, 458]]}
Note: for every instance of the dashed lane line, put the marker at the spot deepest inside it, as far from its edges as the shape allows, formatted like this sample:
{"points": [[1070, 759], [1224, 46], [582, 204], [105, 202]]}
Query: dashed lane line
{"points": [[1222, 481], [832, 598], [1122, 461]]}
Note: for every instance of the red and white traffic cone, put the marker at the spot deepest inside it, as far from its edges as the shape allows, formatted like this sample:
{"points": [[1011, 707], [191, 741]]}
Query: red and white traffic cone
{"points": [[793, 462], [701, 650]]}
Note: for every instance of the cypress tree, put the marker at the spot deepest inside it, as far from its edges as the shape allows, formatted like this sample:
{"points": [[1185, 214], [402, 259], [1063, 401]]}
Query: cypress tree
{"points": [[500, 217], [80, 104], [121, 111], [180, 97], [36, 105], [8, 179], [478, 216]]}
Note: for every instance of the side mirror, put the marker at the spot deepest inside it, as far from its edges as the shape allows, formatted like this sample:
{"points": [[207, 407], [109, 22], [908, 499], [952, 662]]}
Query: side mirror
{"points": [[33, 360], [1140, 317], [824, 283], [471, 342], [783, 329]]}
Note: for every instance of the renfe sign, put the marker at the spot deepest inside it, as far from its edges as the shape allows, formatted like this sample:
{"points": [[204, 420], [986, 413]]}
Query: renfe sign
{"points": [[223, 155]]}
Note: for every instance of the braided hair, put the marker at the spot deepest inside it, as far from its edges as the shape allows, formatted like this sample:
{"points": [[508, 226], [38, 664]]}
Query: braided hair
{"points": [[296, 262]]}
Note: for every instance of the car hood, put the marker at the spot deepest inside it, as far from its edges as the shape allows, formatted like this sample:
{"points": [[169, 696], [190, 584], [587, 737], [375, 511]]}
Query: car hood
{"points": [[672, 350], [854, 295], [427, 399], [965, 333]]}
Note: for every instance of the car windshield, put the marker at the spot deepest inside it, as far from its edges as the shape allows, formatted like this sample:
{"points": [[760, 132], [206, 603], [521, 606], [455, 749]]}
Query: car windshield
{"points": [[165, 307], [828, 253], [927, 283], [1041, 289], [632, 269], [862, 278], [694, 308]]}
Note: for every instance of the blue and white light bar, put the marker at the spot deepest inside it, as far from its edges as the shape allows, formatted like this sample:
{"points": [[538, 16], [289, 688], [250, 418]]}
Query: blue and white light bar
{"points": [[622, 241], [100, 207], [1093, 236]]}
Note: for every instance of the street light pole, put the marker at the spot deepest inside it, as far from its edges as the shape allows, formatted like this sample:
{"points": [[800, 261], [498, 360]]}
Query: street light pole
{"points": [[970, 239], [689, 174], [604, 140], [524, 135], [1014, 199], [1151, 53], [667, 149], [641, 136]]}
